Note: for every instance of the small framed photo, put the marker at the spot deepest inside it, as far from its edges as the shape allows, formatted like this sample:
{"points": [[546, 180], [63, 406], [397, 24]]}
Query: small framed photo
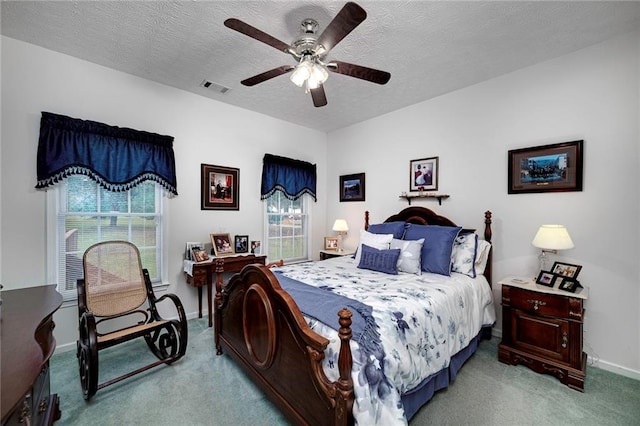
{"points": [[200, 255], [546, 278], [256, 248], [331, 243], [568, 284], [566, 269], [220, 187], [352, 187], [423, 174], [221, 244], [242, 243], [189, 248]]}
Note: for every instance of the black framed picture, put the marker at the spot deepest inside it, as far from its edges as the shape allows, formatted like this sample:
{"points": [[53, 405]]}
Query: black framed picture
{"points": [[546, 168], [568, 284], [241, 243], [352, 187], [423, 174], [219, 187], [546, 278], [566, 269]]}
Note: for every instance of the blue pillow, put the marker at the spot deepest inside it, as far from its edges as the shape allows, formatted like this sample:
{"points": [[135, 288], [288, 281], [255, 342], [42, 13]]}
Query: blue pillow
{"points": [[379, 260], [395, 228], [437, 247]]}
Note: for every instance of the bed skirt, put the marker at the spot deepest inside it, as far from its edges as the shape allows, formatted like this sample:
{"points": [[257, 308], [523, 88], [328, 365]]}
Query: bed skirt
{"points": [[417, 397]]}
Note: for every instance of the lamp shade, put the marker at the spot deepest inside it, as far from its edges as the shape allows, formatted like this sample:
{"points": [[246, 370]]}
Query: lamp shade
{"points": [[553, 237], [340, 225]]}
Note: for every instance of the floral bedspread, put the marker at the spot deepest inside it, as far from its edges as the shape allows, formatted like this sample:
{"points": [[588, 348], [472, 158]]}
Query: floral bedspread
{"points": [[423, 321]]}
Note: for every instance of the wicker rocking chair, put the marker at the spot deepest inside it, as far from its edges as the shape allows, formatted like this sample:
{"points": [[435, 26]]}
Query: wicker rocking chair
{"points": [[112, 293]]}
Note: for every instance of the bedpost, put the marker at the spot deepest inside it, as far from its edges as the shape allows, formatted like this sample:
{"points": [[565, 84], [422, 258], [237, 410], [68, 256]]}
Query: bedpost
{"points": [[366, 220], [344, 403], [487, 236]]}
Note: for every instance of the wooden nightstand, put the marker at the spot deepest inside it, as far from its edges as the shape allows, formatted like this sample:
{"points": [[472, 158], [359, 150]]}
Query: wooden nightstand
{"points": [[328, 254], [542, 329]]}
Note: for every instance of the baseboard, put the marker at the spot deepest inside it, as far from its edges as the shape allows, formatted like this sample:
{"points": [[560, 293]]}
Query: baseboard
{"points": [[613, 368]]}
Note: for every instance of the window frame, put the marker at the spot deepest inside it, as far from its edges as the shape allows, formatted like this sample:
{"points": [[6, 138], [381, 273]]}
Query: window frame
{"points": [[306, 211], [54, 239]]}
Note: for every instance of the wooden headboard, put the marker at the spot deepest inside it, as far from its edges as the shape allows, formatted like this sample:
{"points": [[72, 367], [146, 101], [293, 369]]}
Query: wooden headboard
{"points": [[425, 216]]}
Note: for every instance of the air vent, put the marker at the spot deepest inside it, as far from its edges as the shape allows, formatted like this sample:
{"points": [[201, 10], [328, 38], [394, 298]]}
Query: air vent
{"points": [[214, 86]]}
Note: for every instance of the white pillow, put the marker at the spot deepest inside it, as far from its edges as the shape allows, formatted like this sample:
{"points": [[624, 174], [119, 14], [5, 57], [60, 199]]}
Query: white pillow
{"points": [[463, 255], [409, 259], [482, 255], [377, 241]]}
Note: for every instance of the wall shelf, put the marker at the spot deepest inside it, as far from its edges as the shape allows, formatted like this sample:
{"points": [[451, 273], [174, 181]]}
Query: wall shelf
{"points": [[438, 197]]}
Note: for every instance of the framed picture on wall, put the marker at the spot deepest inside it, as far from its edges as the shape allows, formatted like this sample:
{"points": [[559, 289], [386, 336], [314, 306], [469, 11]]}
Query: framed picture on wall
{"points": [[423, 174], [546, 168], [352, 187], [220, 187]]}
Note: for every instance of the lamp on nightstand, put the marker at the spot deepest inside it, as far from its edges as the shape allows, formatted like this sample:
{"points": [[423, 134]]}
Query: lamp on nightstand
{"points": [[341, 227], [550, 239]]}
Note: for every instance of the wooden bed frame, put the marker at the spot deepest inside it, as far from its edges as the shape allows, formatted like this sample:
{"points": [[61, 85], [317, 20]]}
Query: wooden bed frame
{"points": [[261, 327]]}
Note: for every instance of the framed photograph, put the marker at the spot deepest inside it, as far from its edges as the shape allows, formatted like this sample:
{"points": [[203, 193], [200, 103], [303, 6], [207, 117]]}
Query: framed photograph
{"points": [[331, 243], [568, 284], [241, 243], [190, 247], [566, 269], [221, 244], [200, 255], [255, 247], [546, 168], [220, 187], [423, 174], [546, 278], [352, 187]]}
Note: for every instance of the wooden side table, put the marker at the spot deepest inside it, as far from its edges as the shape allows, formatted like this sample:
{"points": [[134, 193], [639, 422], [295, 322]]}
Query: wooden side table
{"points": [[202, 275], [542, 329], [328, 254]]}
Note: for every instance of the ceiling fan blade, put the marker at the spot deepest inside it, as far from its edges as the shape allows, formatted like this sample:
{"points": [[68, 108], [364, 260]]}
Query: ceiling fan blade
{"points": [[349, 17], [252, 81], [253, 32], [318, 96], [358, 71]]}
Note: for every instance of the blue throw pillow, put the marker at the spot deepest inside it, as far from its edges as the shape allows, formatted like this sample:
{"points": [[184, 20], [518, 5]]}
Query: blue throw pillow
{"points": [[395, 228], [437, 247], [379, 260]]}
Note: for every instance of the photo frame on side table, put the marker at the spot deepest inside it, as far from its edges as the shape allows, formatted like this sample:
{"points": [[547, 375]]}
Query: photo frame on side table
{"points": [[546, 278], [352, 187], [566, 269], [219, 188], [190, 247], [331, 243], [256, 248], [423, 174], [568, 284], [221, 244], [241, 243], [546, 168]]}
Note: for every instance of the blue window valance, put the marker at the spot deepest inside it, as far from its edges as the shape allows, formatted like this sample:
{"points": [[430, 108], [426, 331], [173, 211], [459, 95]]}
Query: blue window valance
{"points": [[292, 177], [117, 158]]}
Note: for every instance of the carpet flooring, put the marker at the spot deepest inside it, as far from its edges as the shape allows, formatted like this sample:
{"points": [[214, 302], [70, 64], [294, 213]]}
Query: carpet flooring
{"points": [[205, 389]]}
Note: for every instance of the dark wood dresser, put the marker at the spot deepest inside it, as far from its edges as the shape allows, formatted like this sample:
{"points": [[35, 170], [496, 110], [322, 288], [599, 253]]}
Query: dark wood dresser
{"points": [[27, 344], [542, 329]]}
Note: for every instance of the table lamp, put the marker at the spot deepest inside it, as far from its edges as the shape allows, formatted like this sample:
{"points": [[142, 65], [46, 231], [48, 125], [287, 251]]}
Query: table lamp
{"points": [[550, 239], [341, 227]]}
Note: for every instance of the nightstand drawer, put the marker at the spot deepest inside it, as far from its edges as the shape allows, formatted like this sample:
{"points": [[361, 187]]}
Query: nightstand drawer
{"points": [[538, 303]]}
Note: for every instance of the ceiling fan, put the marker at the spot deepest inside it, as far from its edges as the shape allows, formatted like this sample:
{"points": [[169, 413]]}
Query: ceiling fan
{"points": [[310, 51]]}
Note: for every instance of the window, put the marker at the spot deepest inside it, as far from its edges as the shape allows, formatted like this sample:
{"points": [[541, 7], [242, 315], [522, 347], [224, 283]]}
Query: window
{"points": [[86, 213], [287, 224]]}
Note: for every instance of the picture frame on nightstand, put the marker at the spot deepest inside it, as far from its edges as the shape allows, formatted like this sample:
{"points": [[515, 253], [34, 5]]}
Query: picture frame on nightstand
{"points": [[568, 284], [566, 269], [546, 278]]}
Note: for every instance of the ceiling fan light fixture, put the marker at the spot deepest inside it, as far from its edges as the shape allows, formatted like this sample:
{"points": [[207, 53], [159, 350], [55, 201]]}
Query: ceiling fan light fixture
{"points": [[301, 74]]}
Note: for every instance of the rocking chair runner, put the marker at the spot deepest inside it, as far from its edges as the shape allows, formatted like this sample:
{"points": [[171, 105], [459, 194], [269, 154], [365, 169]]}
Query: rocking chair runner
{"points": [[115, 287]]}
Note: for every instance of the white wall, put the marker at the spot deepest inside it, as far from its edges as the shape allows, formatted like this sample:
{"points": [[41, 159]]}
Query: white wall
{"points": [[592, 95], [205, 131]]}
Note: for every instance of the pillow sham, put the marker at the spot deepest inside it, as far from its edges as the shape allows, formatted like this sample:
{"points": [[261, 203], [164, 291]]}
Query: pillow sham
{"points": [[395, 228], [378, 241], [463, 254], [437, 247], [409, 259], [482, 256], [379, 260]]}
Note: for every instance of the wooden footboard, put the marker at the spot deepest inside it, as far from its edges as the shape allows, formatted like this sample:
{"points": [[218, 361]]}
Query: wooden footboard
{"points": [[259, 325]]}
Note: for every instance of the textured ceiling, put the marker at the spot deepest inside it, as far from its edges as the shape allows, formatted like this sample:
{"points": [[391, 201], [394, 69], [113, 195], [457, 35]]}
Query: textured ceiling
{"points": [[430, 48]]}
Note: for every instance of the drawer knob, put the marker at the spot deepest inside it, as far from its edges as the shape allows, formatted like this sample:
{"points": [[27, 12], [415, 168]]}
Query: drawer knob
{"points": [[536, 303], [565, 340]]}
